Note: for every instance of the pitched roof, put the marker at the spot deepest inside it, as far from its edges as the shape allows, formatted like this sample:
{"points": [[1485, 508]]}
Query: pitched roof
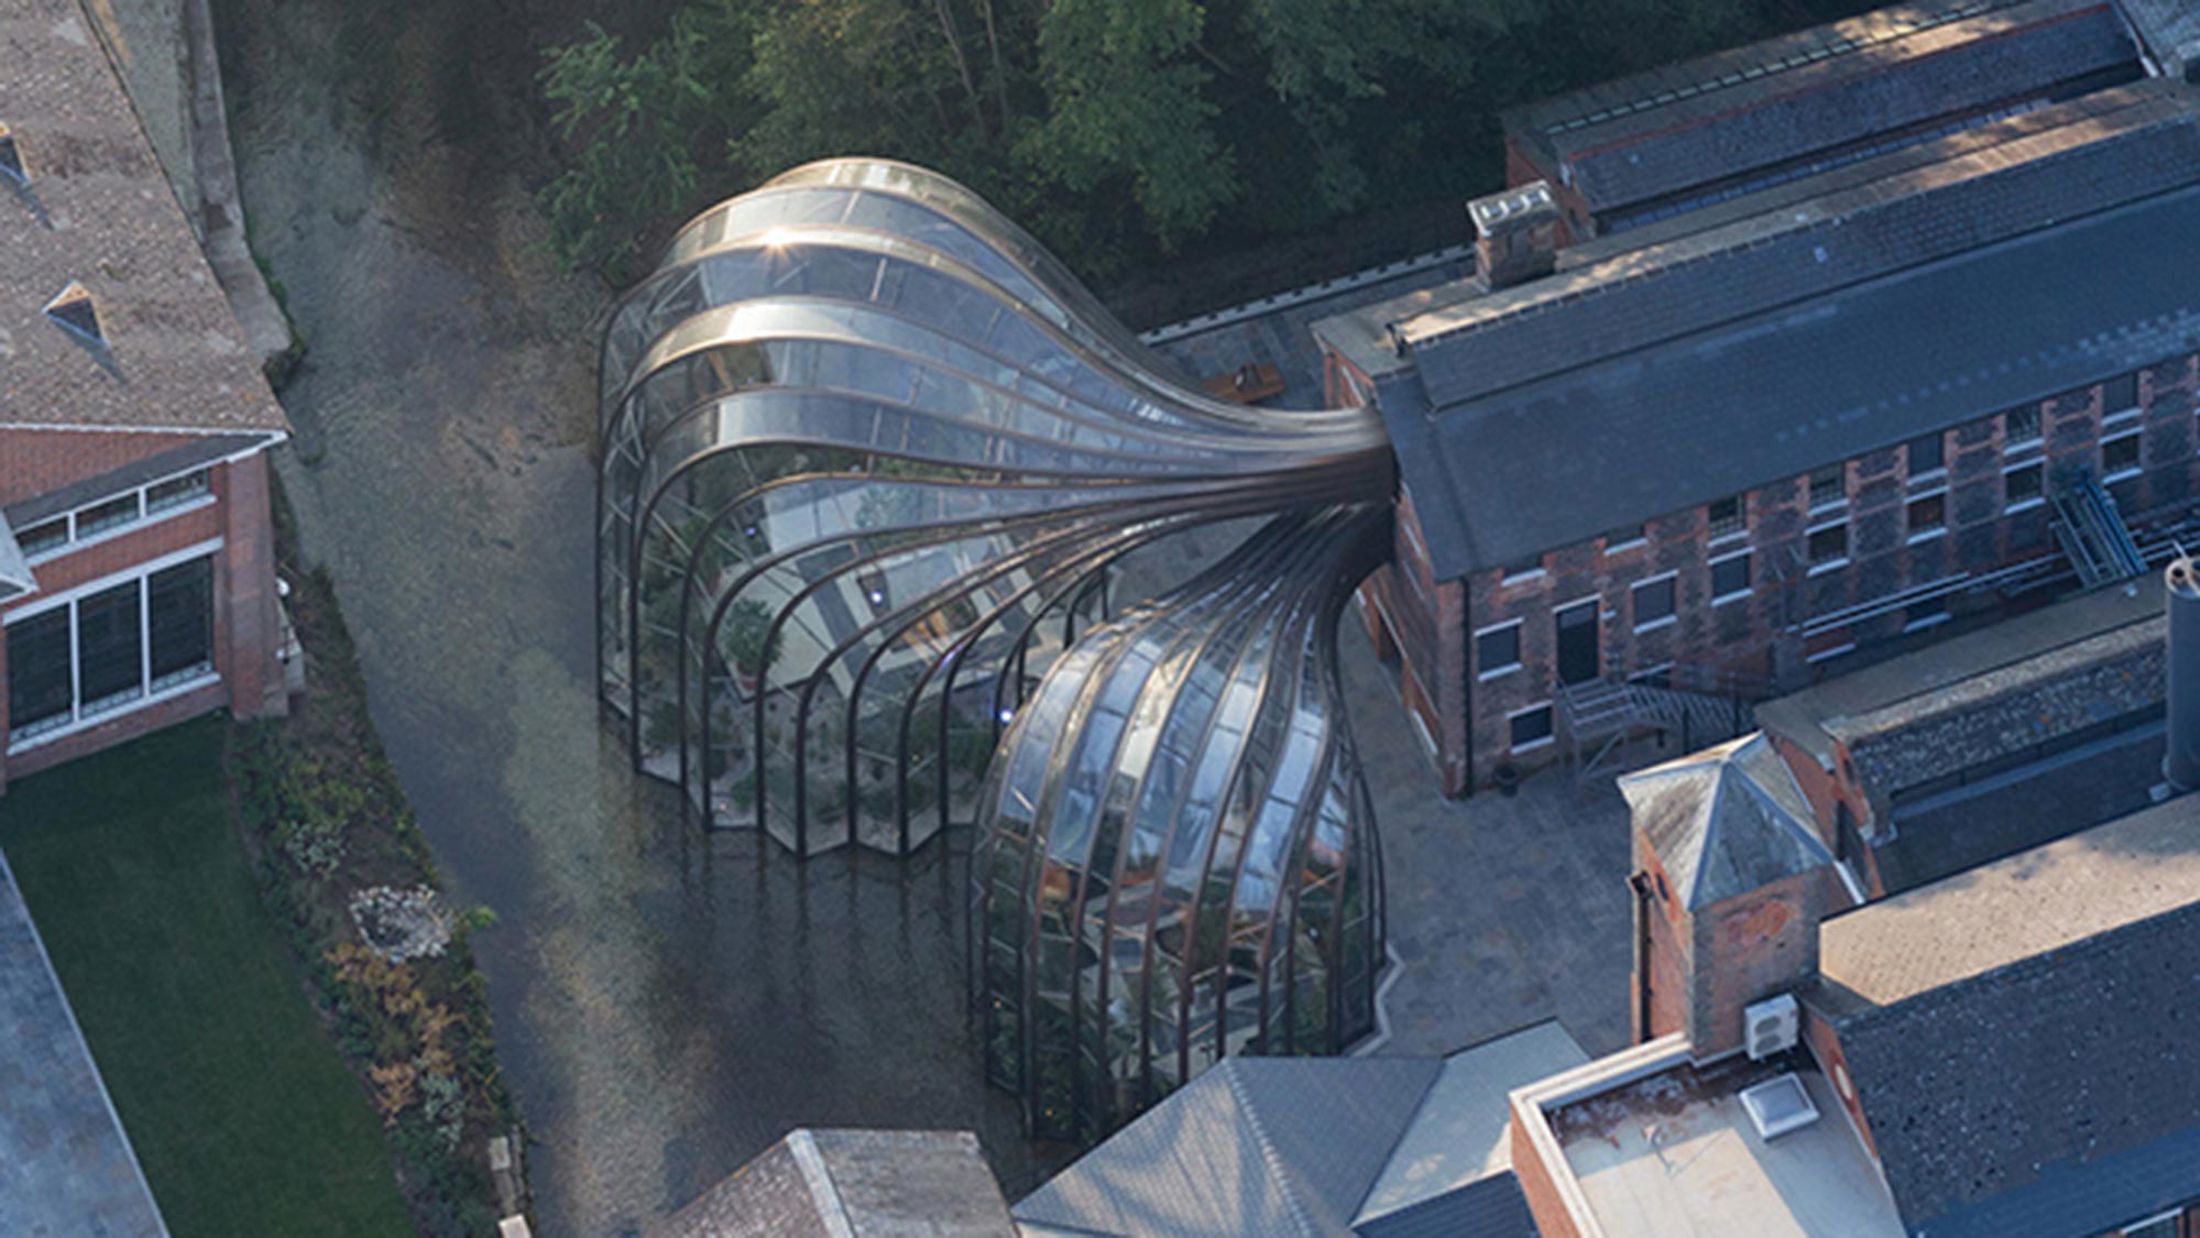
{"points": [[1680, 127], [864, 1183], [1273, 1146], [2015, 1031], [1725, 821], [96, 212], [1601, 384]]}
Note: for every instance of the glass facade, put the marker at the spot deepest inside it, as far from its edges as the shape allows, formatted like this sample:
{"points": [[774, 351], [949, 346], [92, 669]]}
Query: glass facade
{"points": [[1177, 858], [867, 452]]}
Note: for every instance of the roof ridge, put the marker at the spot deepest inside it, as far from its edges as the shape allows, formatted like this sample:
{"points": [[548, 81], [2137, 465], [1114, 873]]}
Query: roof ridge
{"points": [[1277, 1171]]}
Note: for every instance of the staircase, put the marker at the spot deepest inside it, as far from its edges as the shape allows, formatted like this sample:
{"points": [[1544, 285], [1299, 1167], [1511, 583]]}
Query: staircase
{"points": [[1697, 706], [2092, 533]]}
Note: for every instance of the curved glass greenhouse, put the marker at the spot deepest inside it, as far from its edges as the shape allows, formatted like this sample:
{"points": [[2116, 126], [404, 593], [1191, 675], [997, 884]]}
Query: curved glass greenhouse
{"points": [[1177, 858], [867, 450]]}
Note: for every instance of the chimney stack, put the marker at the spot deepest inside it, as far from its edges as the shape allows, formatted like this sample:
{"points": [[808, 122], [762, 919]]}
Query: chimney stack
{"points": [[2181, 590], [1515, 235]]}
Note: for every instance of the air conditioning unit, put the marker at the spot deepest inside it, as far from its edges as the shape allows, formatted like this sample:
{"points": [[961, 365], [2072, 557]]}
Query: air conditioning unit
{"points": [[1771, 1026]]}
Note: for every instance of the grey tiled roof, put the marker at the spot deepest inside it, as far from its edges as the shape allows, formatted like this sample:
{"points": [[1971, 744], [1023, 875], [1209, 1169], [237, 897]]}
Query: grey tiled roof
{"points": [[1725, 821], [99, 212], [2171, 31], [2021, 1028], [1797, 345], [65, 1165], [864, 1183], [2014, 53]]}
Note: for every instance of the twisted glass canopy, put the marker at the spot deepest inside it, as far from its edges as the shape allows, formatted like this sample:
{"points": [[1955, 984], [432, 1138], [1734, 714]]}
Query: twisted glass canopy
{"points": [[867, 451], [1177, 856]]}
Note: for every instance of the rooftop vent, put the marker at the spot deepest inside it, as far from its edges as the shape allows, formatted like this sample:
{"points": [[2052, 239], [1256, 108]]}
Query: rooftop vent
{"points": [[72, 311], [11, 158], [1779, 1105]]}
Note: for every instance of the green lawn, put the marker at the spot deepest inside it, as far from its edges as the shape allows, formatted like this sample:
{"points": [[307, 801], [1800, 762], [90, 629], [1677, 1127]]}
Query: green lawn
{"points": [[240, 1109]]}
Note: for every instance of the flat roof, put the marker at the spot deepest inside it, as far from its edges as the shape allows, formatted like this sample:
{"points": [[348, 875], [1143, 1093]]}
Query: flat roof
{"points": [[1675, 1153], [98, 213], [66, 1166]]}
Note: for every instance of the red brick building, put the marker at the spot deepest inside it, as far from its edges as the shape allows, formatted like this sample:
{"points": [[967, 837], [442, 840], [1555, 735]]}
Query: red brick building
{"points": [[137, 574], [1864, 371]]}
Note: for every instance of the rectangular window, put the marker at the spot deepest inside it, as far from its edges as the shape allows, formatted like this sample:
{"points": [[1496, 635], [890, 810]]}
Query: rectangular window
{"points": [[2162, 1226], [2120, 456], [1729, 578], [45, 537], [112, 514], [1829, 486], [39, 691], [1531, 566], [2120, 393], [110, 649], [2020, 426], [1829, 545], [1531, 727], [175, 492], [1924, 454], [179, 604], [1625, 535], [1927, 614], [1726, 518], [1654, 602], [1928, 515], [2023, 485], [1497, 649]]}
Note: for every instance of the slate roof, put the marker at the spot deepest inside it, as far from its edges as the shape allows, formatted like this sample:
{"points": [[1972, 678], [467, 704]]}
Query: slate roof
{"points": [[2018, 1032], [97, 211], [1724, 116], [862, 1183], [2171, 31], [65, 1164], [1725, 821], [1792, 338]]}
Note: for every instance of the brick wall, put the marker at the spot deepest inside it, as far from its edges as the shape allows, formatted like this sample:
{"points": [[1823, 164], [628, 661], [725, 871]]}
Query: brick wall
{"points": [[1746, 949], [1537, 1181]]}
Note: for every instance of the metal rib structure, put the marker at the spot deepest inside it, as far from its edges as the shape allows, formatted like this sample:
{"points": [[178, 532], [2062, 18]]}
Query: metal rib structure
{"points": [[1177, 857], [867, 451]]}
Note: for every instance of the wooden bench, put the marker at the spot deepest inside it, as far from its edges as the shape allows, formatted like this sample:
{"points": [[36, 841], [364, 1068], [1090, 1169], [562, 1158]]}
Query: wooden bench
{"points": [[1249, 384]]}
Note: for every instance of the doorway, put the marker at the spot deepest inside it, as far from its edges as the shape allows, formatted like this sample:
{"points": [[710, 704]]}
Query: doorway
{"points": [[1577, 642]]}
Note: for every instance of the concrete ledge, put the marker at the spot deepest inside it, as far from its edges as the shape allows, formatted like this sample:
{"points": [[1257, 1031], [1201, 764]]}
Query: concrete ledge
{"points": [[221, 218]]}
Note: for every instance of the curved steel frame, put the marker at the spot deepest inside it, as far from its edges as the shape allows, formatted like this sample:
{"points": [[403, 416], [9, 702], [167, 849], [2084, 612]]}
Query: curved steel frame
{"points": [[1177, 857], [867, 453]]}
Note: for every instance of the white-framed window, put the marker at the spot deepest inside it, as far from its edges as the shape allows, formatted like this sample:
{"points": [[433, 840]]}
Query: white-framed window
{"points": [[1829, 487], [2120, 457], [1654, 602], [1530, 728], [1926, 517], [1497, 649], [1526, 569], [1930, 613], [2160, 1225], [1727, 518], [2023, 486], [1730, 578], [111, 646], [1625, 537], [2020, 428], [117, 514], [2120, 398], [1926, 455], [1827, 547]]}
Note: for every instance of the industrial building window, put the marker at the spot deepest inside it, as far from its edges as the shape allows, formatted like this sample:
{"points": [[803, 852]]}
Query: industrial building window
{"points": [[2162, 1226], [1829, 486], [112, 514], [110, 648], [175, 492], [1730, 578], [44, 537], [1726, 518], [1530, 566], [1828, 546], [1924, 454], [1622, 537], [2119, 394], [2119, 456], [1928, 516], [2022, 486], [1497, 649], [1531, 727], [2020, 426], [1654, 603]]}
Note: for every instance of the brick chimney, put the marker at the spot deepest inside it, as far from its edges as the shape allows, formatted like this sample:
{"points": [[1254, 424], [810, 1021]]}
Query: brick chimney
{"points": [[1515, 235]]}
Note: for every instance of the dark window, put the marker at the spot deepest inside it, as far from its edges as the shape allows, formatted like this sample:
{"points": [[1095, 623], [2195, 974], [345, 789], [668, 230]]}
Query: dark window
{"points": [[1920, 614], [1653, 601], [180, 605], [1623, 536], [1533, 725], [1497, 648], [1924, 454], [2017, 485], [1826, 545], [38, 670], [2120, 393], [175, 492], [108, 515], [1928, 513], [2020, 425], [2120, 454], [1730, 575], [109, 648], [1829, 486], [1726, 517], [1525, 567], [48, 535]]}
